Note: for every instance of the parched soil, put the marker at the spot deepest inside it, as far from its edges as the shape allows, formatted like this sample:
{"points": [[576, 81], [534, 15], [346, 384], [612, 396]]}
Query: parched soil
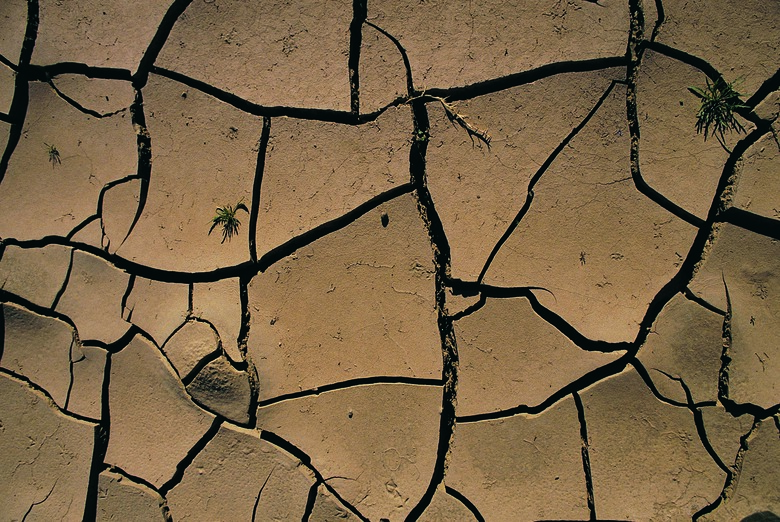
{"points": [[383, 260]]}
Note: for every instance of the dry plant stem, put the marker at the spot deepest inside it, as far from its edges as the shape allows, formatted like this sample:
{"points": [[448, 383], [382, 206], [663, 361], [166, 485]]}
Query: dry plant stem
{"points": [[457, 119]]}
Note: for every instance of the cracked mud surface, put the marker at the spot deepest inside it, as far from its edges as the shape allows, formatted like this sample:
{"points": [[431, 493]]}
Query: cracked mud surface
{"points": [[486, 268]]}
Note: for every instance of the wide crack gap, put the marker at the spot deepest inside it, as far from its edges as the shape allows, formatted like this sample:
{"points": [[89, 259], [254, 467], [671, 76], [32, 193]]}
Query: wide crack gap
{"points": [[144, 172], [182, 466], [352, 383], [299, 454], [659, 7], [101, 444], [689, 295], [325, 115], [460, 497], [18, 110], [753, 222], [441, 260], [176, 9], [732, 477], [311, 499], [125, 297], [243, 332], [635, 53], [43, 73], [359, 14], [257, 185], [537, 176], [585, 451]]}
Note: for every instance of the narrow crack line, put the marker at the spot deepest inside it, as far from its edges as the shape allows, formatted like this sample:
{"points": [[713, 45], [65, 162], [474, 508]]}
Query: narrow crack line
{"points": [[130, 477], [70, 370], [182, 466], [733, 475], [525, 77], [44, 73], [642, 371], [359, 14], [441, 261], [688, 294], [635, 52], [290, 246], [38, 503], [460, 497], [176, 9], [753, 222], [326, 115], [80, 107], [590, 378], [42, 391], [470, 310], [585, 455], [65, 282], [144, 172], [659, 7], [553, 319], [81, 226], [292, 449], [352, 383], [410, 89], [698, 419], [259, 493], [254, 211], [125, 297], [104, 240], [18, 110], [538, 175], [311, 499]]}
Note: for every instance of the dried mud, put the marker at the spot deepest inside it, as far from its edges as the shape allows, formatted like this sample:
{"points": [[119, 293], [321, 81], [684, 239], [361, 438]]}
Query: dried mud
{"points": [[485, 267]]}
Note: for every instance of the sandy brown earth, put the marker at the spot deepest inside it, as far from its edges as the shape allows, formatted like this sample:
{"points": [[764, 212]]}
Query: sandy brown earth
{"points": [[486, 267]]}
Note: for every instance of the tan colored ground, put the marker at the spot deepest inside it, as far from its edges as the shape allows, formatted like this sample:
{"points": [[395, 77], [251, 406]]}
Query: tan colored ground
{"points": [[488, 269]]}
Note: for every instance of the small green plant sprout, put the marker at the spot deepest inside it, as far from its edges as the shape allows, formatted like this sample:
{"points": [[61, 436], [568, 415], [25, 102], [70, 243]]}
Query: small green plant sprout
{"points": [[54, 154], [226, 218], [421, 135], [719, 100]]}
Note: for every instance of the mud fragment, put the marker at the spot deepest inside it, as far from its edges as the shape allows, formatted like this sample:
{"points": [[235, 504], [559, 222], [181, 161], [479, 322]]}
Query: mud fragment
{"points": [[153, 421], [229, 474], [46, 456], [35, 274], [382, 477]]}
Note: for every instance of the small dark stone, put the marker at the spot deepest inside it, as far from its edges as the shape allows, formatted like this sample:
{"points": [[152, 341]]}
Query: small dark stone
{"points": [[385, 219]]}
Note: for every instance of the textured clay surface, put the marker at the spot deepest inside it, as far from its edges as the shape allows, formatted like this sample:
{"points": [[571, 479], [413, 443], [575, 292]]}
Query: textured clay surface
{"points": [[390, 261]]}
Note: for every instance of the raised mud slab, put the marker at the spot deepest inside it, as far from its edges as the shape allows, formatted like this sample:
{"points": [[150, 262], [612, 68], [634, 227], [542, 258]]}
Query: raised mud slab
{"points": [[382, 260]]}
